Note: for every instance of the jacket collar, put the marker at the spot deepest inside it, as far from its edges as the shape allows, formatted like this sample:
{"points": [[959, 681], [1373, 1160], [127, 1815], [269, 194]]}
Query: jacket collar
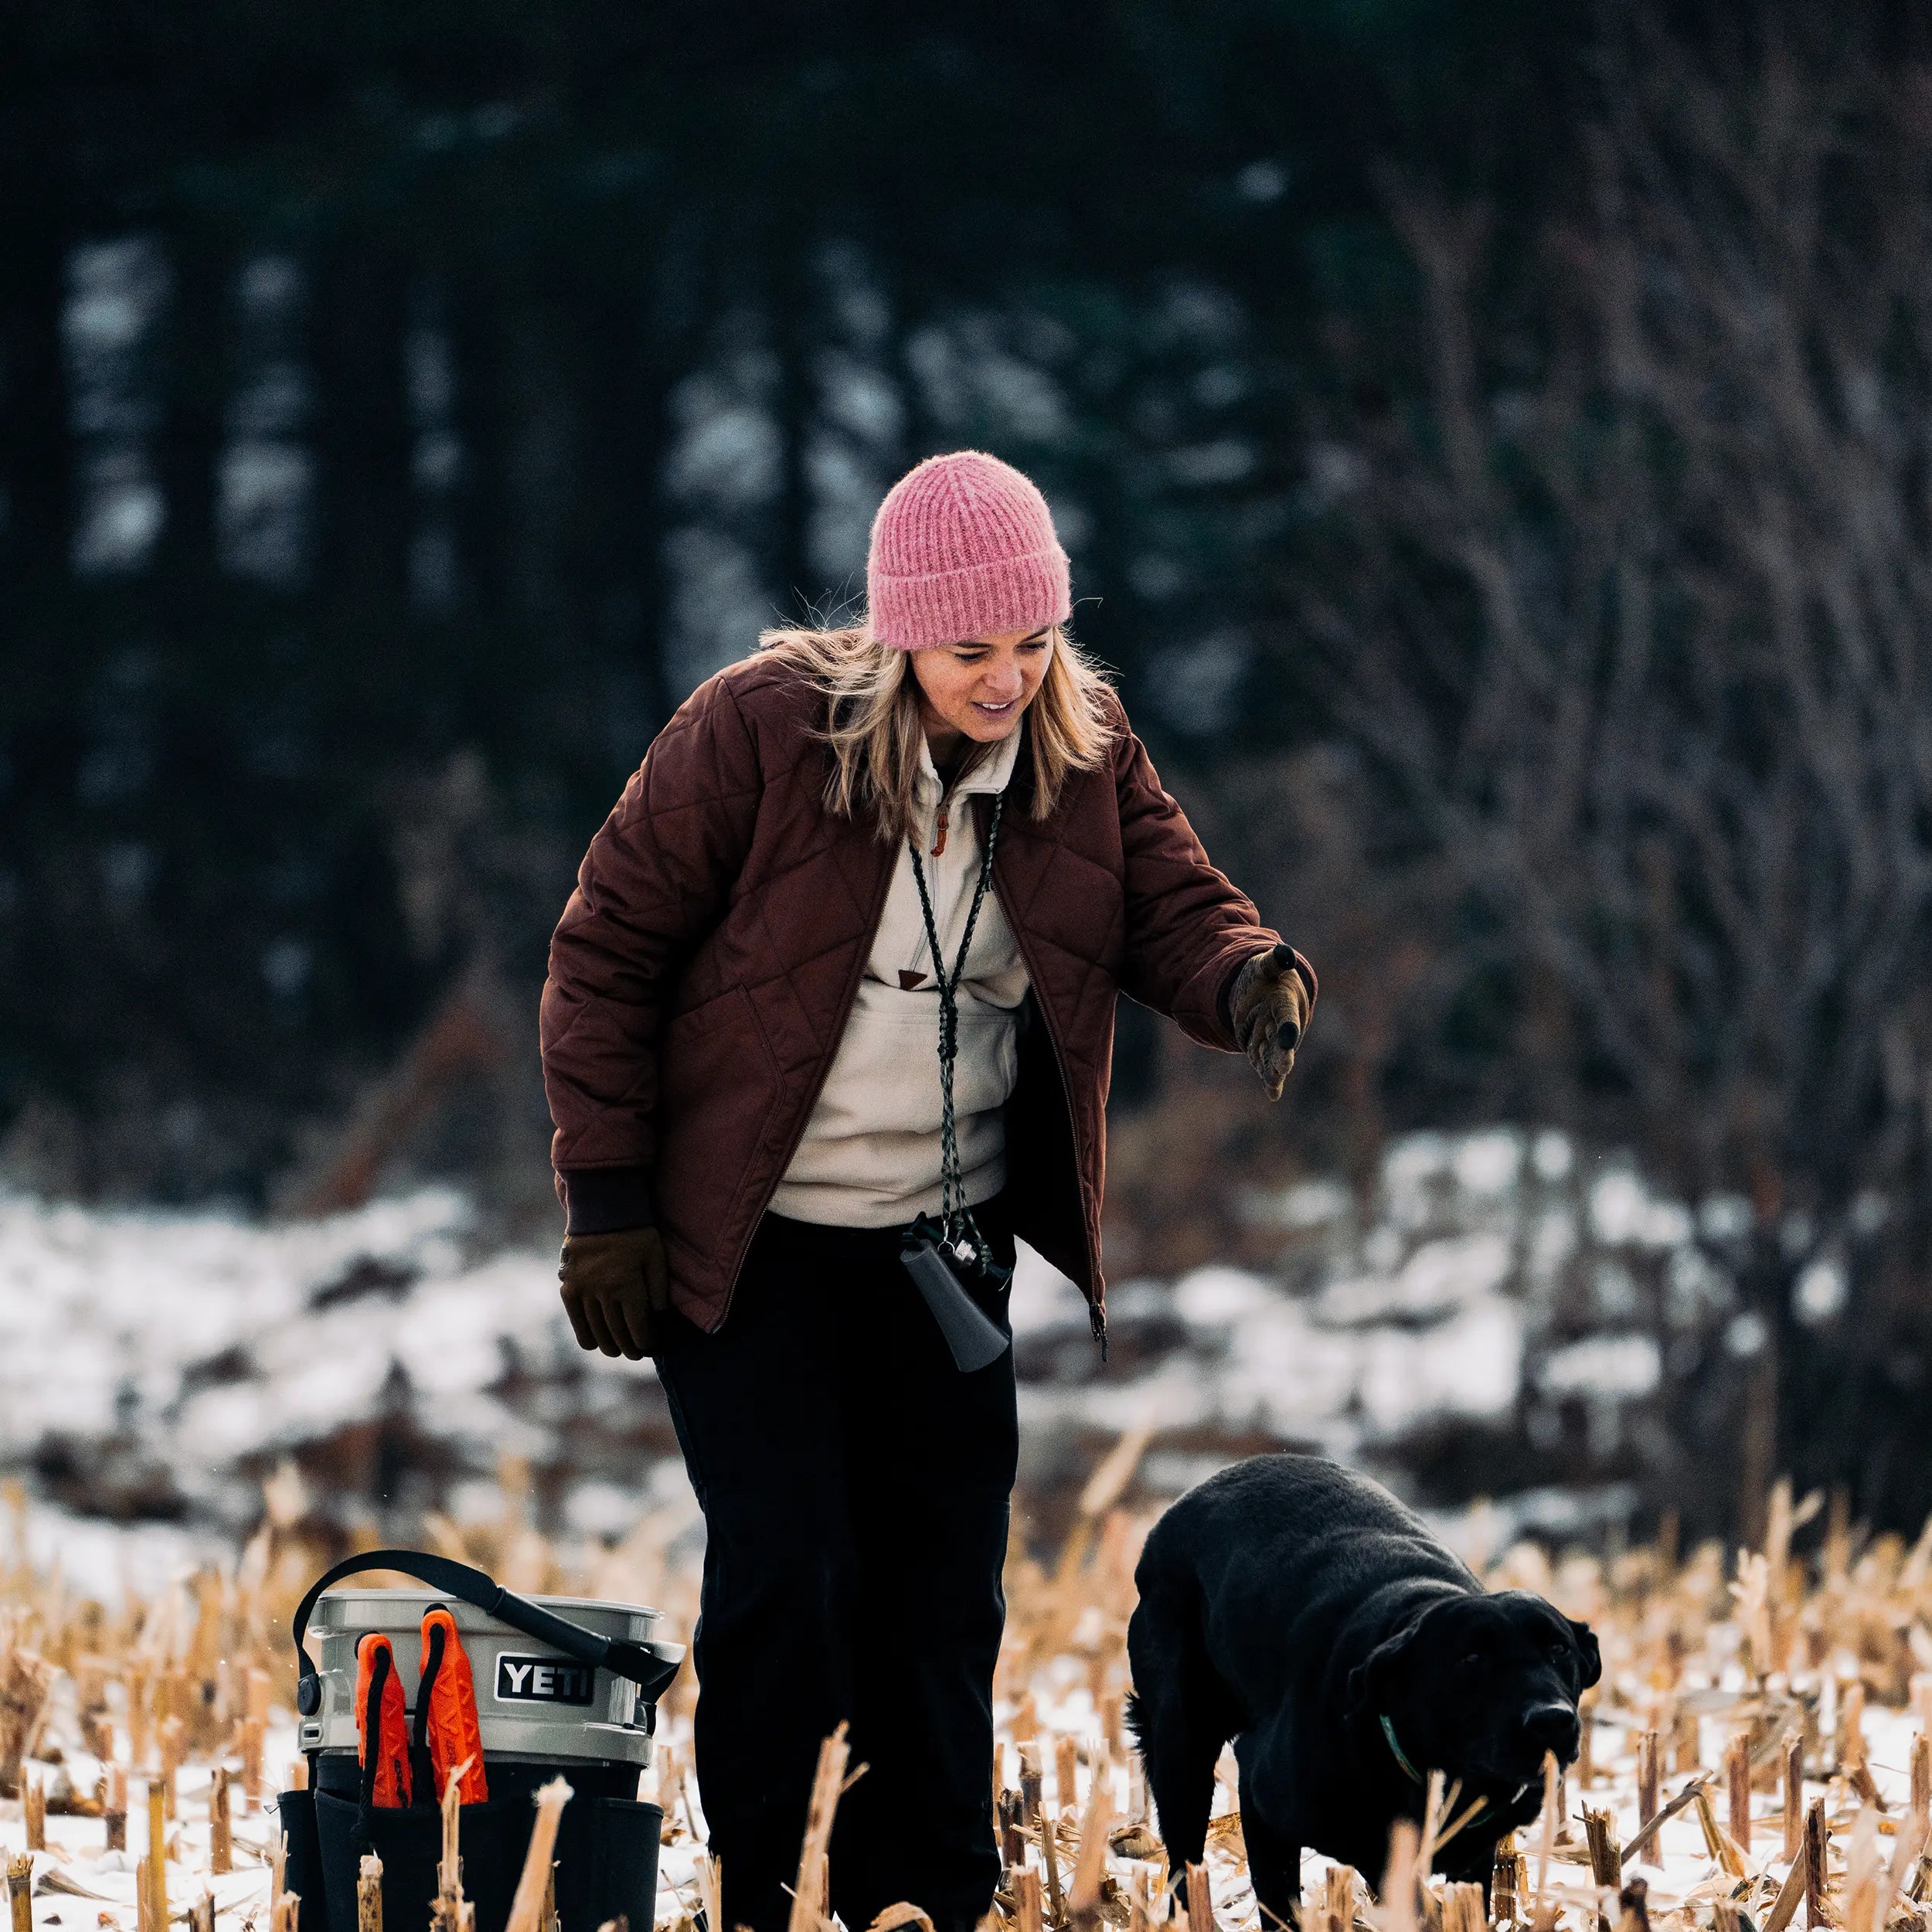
{"points": [[991, 773]]}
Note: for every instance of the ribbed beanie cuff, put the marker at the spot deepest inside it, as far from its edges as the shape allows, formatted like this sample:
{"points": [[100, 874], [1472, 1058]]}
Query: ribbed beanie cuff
{"points": [[963, 546]]}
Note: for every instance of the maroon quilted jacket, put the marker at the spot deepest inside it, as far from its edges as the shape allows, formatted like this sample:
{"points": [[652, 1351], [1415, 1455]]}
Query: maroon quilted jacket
{"points": [[702, 973]]}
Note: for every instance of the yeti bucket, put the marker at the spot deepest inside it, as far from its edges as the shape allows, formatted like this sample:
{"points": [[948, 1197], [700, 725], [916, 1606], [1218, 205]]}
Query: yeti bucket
{"points": [[562, 1686]]}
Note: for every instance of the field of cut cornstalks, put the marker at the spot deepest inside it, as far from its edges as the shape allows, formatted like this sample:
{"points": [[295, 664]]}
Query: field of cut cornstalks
{"points": [[1756, 1749]]}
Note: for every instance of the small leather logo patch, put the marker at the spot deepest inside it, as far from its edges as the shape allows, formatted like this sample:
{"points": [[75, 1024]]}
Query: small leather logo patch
{"points": [[908, 981]]}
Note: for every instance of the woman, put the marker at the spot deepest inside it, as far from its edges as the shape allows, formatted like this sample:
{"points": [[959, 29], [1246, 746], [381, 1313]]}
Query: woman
{"points": [[846, 954]]}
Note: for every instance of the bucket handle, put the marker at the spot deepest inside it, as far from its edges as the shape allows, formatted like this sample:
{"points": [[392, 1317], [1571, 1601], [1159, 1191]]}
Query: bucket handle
{"points": [[650, 1666]]}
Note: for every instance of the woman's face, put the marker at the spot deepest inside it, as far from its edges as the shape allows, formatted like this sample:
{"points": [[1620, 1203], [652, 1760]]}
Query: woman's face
{"points": [[978, 689]]}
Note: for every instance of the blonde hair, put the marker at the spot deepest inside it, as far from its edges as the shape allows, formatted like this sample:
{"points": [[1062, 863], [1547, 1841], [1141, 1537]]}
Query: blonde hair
{"points": [[873, 727]]}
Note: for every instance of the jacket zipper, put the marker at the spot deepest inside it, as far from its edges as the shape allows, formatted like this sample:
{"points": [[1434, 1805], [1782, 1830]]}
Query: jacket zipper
{"points": [[1095, 1308], [805, 1115], [804, 1119], [1096, 1312]]}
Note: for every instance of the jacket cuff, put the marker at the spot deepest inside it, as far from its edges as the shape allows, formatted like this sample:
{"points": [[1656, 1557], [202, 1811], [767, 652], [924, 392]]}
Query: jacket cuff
{"points": [[1224, 1000], [1307, 971], [601, 1200]]}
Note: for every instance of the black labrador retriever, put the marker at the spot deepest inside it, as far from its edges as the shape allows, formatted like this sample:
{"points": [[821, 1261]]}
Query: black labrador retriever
{"points": [[1297, 1608]]}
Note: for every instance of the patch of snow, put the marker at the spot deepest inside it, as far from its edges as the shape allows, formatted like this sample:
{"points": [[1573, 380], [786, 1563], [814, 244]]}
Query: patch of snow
{"points": [[1212, 1296], [1472, 1366], [1042, 1298], [1168, 1471], [1552, 1156], [1383, 1249], [117, 1563], [163, 1361], [1440, 1277], [1614, 1290], [1724, 1217], [1488, 1163], [1623, 1211], [1820, 1291], [1564, 1515], [189, 1342], [1307, 1204], [1138, 1300], [1869, 1213], [1553, 1240], [602, 1509], [1603, 1365], [1411, 1170], [1694, 1286]]}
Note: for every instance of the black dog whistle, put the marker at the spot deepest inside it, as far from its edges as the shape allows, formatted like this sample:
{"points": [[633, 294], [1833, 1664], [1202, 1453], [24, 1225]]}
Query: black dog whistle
{"points": [[974, 1339]]}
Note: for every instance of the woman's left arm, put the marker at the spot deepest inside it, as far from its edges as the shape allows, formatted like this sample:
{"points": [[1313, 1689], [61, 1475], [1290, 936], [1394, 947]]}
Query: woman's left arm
{"points": [[1189, 929]]}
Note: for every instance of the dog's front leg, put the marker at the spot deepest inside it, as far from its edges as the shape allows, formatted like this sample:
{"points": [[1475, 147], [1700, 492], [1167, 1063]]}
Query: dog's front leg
{"points": [[1274, 1863], [1472, 1863]]}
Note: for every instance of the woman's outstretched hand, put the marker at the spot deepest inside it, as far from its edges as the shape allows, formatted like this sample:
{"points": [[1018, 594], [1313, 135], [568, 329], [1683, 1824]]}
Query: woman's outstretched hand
{"points": [[1269, 1004], [617, 1289]]}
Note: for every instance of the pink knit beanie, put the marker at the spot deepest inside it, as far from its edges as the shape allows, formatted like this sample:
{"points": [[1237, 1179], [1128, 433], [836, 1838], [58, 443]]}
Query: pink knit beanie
{"points": [[962, 545]]}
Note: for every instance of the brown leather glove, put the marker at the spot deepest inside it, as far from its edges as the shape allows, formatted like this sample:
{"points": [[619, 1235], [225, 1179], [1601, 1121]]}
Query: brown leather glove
{"points": [[1269, 1005], [616, 1289]]}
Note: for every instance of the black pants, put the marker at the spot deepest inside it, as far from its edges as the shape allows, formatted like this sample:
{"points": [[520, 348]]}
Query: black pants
{"points": [[856, 1491]]}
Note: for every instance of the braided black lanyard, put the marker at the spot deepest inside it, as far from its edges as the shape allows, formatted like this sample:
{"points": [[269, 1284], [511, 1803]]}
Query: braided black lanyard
{"points": [[955, 1218]]}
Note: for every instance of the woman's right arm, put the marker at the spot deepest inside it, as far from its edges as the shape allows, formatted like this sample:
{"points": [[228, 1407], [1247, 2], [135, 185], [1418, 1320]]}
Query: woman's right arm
{"points": [[654, 881]]}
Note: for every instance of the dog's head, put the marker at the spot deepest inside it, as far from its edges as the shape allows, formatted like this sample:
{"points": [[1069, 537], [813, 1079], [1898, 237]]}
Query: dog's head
{"points": [[1481, 1687]]}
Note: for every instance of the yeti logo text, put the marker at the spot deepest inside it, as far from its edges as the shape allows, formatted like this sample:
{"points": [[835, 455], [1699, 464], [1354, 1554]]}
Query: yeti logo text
{"points": [[543, 1680]]}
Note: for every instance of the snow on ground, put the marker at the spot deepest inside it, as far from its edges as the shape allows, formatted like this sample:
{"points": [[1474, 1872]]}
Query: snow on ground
{"points": [[159, 1364]]}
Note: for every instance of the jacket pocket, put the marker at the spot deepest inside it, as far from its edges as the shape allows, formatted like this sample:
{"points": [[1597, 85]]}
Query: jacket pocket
{"points": [[714, 1050], [718, 1089]]}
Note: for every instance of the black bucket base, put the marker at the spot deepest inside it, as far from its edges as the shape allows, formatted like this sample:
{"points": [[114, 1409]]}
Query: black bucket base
{"points": [[607, 1848]]}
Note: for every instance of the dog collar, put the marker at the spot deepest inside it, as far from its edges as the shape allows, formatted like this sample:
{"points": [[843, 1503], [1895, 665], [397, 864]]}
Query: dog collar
{"points": [[1388, 1731], [1402, 1758]]}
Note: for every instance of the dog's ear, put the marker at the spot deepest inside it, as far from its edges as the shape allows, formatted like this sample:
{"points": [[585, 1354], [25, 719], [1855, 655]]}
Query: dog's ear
{"points": [[1593, 1658], [1369, 1682]]}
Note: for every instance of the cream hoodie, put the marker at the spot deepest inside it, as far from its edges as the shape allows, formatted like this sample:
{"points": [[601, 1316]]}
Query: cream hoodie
{"points": [[870, 1157]]}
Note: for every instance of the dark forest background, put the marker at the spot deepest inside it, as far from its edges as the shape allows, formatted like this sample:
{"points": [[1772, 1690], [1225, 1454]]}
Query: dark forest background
{"points": [[1495, 442]]}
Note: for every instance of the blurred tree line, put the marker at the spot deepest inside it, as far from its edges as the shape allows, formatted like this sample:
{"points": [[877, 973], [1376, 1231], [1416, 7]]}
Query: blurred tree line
{"points": [[402, 410], [1491, 439]]}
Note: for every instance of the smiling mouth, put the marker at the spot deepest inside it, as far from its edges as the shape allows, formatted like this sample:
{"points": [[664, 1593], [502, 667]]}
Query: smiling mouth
{"points": [[995, 710]]}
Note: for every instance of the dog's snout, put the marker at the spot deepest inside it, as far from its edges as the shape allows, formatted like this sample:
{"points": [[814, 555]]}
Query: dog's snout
{"points": [[1553, 1727]]}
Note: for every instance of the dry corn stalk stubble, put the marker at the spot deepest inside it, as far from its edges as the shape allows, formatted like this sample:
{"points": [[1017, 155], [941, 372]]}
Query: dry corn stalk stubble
{"points": [[532, 1887], [1801, 1663], [26, 1679], [811, 1900], [20, 1891]]}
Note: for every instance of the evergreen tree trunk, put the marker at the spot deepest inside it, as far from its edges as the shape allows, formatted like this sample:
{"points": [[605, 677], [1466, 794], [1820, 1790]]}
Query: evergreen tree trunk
{"points": [[482, 508], [196, 365], [36, 448], [624, 408], [360, 319], [791, 314]]}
